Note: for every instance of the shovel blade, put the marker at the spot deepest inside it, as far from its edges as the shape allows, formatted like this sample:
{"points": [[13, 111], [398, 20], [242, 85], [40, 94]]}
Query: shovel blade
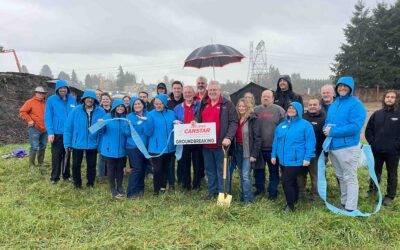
{"points": [[224, 200]]}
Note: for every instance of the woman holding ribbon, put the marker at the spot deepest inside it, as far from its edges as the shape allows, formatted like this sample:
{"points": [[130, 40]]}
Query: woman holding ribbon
{"points": [[137, 160], [159, 128], [112, 149]]}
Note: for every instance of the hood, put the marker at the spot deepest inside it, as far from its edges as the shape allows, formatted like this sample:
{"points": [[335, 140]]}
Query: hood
{"points": [[287, 78], [116, 103], [133, 100], [60, 84], [163, 98], [348, 81], [162, 85], [299, 109], [89, 93]]}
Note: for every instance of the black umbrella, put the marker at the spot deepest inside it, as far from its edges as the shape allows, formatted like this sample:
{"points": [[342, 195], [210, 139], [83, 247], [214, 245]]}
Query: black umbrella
{"points": [[213, 55]]}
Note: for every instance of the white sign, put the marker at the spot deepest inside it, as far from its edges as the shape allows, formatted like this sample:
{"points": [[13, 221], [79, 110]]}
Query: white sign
{"points": [[198, 133]]}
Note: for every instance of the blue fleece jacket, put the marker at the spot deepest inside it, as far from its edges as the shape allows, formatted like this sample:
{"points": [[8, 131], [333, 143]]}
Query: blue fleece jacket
{"points": [[346, 117], [76, 131], [294, 140], [159, 126], [114, 134], [57, 110]]}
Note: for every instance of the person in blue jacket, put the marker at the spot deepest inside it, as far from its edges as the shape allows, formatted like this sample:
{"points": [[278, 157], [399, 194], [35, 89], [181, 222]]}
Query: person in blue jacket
{"points": [[113, 144], [159, 126], [78, 138], [58, 106], [294, 147], [345, 119], [137, 161]]}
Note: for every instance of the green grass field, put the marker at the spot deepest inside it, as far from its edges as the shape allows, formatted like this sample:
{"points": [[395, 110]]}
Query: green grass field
{"points": [[36, 214]]}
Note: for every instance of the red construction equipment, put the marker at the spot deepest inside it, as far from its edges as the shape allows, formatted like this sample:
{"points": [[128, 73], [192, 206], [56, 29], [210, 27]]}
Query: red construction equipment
{"points": [[2, 50]]}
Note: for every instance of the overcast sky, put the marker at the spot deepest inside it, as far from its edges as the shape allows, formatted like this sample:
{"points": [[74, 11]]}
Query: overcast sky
{"points": [[153, 38]]}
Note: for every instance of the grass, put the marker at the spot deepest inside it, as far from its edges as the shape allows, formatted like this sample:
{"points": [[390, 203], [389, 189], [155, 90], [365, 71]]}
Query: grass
{"points": [[36, 214]]}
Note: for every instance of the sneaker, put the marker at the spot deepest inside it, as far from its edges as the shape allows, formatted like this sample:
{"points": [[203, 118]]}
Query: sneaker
{"points": [[69, 179], [287, 209], [387, 201], [162, 191], [120, 191], [54, 182], [120, 196], [258, 192]]}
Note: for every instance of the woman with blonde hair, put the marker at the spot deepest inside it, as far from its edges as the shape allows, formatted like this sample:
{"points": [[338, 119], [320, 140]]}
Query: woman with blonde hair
{"points": [[247, 146]]}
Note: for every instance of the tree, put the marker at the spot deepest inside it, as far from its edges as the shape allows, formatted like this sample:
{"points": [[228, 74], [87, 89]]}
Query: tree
{"points": [[88, 81], [371, 52], [64, 76], [120, 79], [46, 71], [24, 69], [74, 77]]}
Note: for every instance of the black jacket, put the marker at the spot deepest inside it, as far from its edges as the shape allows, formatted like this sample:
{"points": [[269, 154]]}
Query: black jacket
{"points": [[383, 131], [172, 103], [228, 118], [318, 121], [284, 98]]}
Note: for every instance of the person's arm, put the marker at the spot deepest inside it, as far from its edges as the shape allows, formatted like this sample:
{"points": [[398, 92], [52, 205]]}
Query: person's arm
{"points": [[357, 118], [232, 121], [310, 142], [274, 147], [257, 139], [369, 130], [68, 129], [48, 120], [24, 113]]}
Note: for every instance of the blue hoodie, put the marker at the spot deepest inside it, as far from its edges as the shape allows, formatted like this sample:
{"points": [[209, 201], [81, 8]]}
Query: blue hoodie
{"points": [[57, 110], [294, 140], [114, 134], [159, 126], [346, 116], [76, 131], [138, 125]]}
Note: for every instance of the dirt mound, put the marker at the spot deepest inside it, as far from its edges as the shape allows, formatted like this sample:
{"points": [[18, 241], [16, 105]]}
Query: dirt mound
{"points": [[15, 89]]}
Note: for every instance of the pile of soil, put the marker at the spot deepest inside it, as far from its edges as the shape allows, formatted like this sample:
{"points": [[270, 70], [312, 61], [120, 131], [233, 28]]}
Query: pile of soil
{"points": [[15, 89]]}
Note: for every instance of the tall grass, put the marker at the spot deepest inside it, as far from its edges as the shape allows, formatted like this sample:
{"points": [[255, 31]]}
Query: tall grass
{"points": [[36, 214]]}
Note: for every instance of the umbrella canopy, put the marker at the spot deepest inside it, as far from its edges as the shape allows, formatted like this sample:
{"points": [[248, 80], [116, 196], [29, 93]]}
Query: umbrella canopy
{"points": [[213, 55]]}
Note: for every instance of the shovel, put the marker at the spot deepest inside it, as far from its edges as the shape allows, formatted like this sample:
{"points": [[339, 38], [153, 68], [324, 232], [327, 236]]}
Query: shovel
{"points": [[225, 199]]}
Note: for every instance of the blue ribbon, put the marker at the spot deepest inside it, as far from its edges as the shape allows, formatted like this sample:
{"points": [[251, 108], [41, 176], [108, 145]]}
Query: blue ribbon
{"points": [[322, 184], [138, 141]]}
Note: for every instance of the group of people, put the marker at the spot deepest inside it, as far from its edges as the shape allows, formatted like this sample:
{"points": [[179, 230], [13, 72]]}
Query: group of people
{"points": [[277, 134]]}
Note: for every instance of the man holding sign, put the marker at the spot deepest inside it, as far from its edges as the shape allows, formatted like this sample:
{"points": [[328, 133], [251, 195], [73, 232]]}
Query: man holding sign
{"points": [[222, 112], [191, 154]]}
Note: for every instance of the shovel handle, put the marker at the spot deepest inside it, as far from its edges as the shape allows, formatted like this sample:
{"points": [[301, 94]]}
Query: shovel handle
{"points": [[225, 166]]}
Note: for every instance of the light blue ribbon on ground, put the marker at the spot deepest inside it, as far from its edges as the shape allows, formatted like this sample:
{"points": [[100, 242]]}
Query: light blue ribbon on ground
{"points": [[322, 184], [138, 141]]}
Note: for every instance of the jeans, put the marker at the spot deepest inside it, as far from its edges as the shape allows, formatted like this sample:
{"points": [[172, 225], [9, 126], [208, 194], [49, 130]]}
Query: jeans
{"points": [[244, 173], [101, 167], [259, 176], [77, 157], [37, 139], [138, 164], [213, 161]]}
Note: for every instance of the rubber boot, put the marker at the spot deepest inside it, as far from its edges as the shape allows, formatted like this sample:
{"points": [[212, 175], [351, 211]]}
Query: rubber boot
{"points": [[40, 159], [32, 157]]}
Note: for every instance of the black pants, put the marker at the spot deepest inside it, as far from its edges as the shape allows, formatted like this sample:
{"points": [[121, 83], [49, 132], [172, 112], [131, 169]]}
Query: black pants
{"points": [[290, 187], [160, 171], [115, 172], [391, 162], [91, 157], [57, 159], [191, 154]]}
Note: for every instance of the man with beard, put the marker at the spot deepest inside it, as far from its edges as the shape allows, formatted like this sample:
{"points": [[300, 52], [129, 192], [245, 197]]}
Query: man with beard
{"points": [[284, 94], [383, 134]]}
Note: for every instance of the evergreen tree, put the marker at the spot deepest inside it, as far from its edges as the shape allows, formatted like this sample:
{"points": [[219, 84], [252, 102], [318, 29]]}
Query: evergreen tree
{"points": [[88, 81], [24, 69], [120, 79], [46, 71], [74, 77], [64, 76]]}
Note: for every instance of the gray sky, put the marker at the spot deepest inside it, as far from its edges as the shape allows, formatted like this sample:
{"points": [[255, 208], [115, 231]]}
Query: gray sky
{"points": [[153, 38]]}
